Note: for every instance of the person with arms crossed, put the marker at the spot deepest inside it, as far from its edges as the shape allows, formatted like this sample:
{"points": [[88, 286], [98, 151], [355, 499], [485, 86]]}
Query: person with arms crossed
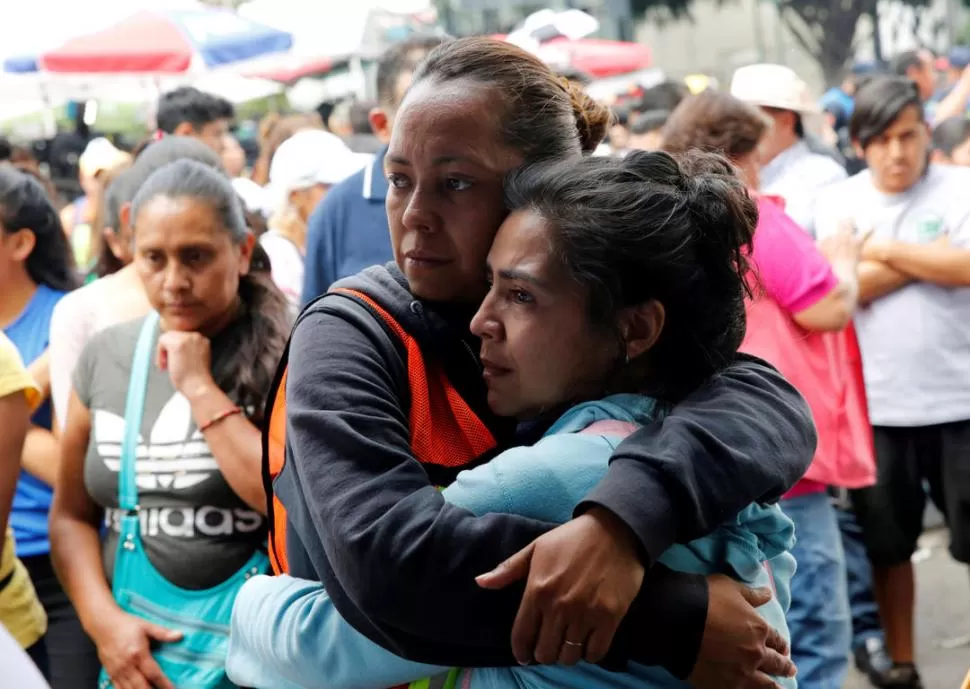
{"points": [[914, 333]]}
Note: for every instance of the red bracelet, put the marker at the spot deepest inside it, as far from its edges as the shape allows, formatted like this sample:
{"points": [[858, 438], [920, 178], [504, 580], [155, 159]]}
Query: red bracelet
{"points": [[221, 416]]}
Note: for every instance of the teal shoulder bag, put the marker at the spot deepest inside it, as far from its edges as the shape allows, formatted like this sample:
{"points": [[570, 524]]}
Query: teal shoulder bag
{"points": [[198, 660]]}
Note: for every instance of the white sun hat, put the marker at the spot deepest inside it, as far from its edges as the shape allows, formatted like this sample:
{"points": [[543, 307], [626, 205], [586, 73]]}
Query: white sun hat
{"points": [[780, 88], [773, 86]]}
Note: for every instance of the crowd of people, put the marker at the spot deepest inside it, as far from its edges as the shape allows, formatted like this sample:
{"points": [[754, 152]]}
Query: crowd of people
{"points": [[516, 389]]}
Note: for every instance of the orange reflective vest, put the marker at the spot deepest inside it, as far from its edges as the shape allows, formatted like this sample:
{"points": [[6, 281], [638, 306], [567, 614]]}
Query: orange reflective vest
{"points": [[444, 430]]}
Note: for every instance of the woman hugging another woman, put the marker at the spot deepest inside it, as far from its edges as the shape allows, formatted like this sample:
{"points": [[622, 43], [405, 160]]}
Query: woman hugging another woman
{"points": [[616, 287]]}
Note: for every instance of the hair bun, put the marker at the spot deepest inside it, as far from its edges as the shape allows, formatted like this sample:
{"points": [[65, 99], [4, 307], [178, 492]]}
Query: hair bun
{"points": [[715, 191], [592, 118]]}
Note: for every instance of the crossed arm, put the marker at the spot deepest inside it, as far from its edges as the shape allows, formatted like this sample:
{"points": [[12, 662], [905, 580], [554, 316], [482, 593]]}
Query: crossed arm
{"points": [[890, 265]]}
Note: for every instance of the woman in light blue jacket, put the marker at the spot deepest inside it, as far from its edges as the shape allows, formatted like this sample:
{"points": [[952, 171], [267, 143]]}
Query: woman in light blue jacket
{"points": [[616, 287]]}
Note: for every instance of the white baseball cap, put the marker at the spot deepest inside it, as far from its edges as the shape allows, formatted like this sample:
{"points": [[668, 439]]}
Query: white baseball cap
{"points": [[311, 157], [773, 86]]}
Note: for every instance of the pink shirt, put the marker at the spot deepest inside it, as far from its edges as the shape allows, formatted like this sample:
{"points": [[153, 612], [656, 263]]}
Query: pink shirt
{"points": [[789, 267], [793, 273]]}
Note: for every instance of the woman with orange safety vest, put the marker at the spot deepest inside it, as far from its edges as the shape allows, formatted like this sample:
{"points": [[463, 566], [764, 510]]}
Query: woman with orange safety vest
{"points": [[381, 399], [600, 313]]}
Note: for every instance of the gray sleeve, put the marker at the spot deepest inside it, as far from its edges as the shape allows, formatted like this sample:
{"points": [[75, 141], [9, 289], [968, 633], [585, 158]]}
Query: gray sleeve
{"points": [[84, 371]]}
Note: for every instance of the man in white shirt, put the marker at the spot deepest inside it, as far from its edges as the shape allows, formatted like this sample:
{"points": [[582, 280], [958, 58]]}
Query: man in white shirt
{"points": [[914, 334], [790, 169]]}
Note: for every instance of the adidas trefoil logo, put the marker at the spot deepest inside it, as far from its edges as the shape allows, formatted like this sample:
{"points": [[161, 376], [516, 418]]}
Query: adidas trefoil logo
{"points": [[173, 458]]}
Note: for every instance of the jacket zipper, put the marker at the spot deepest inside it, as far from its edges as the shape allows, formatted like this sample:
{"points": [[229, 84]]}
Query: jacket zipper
{"points": [[194, 658], [137, 602]]}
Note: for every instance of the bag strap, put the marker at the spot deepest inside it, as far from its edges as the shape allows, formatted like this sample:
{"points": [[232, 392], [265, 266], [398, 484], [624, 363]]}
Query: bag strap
{"points": [[141, 363]]}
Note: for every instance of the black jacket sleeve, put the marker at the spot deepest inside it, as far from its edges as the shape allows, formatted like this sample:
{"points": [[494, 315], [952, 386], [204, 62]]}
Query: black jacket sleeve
{"points": [[386, 542], [746, 436], [397, 560]]}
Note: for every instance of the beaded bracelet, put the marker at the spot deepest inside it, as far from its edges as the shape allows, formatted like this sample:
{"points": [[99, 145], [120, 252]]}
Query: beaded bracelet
{"points": [[221, 416]]}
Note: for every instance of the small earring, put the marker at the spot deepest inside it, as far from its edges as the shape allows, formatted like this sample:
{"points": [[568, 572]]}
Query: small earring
{"points": [[626, 359]]}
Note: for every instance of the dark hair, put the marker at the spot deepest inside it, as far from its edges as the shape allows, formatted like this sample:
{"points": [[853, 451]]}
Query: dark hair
{"points": [[905, 61], [649, 226], [324, 110], [541, 115], [715, 121], [621, 115], [255, 221], [360, 116], [165, 151], [32, 168], [189, 104], [256, 340], [650, 121], [666, 95], [950, 134], [124, 186], [799, 127], [880, 103], [6, 148], [402, 58], [24, 205]]}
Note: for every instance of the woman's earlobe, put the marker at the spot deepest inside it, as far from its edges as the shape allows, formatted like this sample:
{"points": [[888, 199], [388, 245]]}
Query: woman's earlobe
{"points": [[642, 327], [246, 252], [26, 241], [112, 241]]}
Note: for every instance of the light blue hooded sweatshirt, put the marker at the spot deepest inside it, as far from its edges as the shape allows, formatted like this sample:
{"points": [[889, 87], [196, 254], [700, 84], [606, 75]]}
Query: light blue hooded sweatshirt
{"points": [[287, 634]]}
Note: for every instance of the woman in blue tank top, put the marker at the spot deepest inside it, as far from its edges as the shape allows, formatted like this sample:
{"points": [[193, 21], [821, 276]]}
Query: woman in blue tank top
{"points": [[36, 270]]}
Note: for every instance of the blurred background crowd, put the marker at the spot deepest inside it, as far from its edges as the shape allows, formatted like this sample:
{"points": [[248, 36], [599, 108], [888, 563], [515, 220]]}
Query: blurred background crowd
{"points": [[818, 104]]}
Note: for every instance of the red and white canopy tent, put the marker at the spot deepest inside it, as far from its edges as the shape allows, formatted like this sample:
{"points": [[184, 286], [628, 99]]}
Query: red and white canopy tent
{"points": [[150, 41]]}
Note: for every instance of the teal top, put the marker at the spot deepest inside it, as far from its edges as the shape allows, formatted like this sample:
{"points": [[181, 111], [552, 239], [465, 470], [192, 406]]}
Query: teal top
{"points": [[286, 633]]}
